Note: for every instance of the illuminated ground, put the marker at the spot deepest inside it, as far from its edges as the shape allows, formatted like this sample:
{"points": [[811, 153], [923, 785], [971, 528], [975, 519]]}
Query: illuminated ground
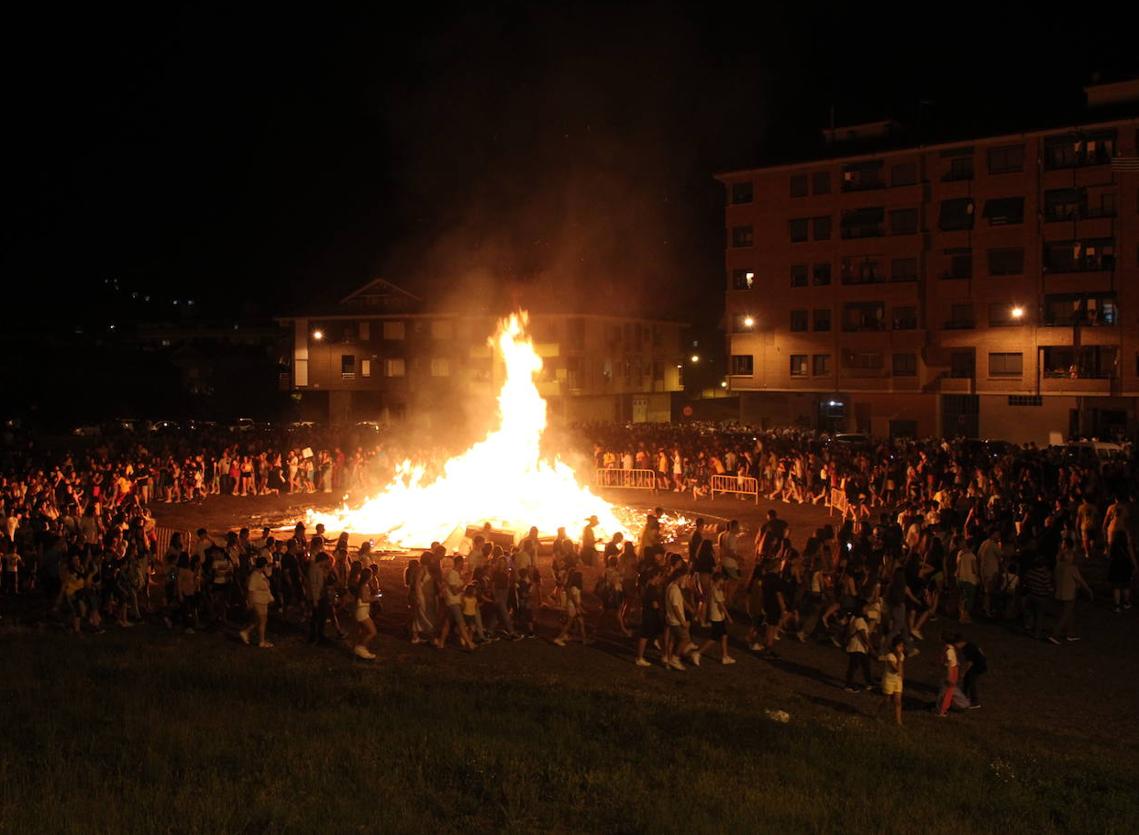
{"points": [[147, 730]]}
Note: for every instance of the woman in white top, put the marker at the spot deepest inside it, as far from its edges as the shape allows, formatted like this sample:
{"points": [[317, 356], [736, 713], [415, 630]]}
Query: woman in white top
{"points": [[366, 628], [259, 598]]}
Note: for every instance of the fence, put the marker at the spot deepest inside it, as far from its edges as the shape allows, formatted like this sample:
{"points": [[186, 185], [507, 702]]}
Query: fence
{"points": [[739, 484], [837, 501], [163, 536], [632, 479]]}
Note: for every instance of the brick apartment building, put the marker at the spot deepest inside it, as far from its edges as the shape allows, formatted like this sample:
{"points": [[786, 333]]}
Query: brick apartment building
{"points": [[381, 354], [988, 288]]}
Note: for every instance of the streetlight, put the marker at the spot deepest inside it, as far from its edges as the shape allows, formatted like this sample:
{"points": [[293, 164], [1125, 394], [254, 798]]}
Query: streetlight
{"points": [[1017, 312], [723, 384], [318, 334], [749, 322], [695, 358]]}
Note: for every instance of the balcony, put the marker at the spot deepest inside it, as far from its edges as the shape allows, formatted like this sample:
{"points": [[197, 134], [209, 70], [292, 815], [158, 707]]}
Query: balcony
{"points": [[959, 325], [1064, 384], [863, 184], [958, 385]]}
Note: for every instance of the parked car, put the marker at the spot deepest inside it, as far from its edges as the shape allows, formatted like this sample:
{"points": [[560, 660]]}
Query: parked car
{"points": [[164, 426], [243, 425], [87, 430]]}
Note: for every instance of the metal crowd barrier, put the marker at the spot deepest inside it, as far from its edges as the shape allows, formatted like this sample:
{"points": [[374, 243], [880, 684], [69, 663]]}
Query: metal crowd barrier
{"points": [[632, 479], [741, 485]]}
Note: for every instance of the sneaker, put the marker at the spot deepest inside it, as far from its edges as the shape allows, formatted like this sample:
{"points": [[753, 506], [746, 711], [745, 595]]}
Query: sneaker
{"points": [[643, 663], [917, 634], [913, 653], [265, 645], [189, 630], [1052, 639], [559, 642], [1126, 605], [675, 664], [801, 637], [727, 659], [850, 688], [974, 707], [1117, 610], [695, 658], [244, 633], [127, 625], [1071, 639], [362, 652], [755, 647]]}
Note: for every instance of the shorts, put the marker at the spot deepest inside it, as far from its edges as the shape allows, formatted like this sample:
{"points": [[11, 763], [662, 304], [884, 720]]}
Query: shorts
{"points": [[889, 688], [469, 620], [719, 629], [456, 612], [680, 634], [362, 614]]}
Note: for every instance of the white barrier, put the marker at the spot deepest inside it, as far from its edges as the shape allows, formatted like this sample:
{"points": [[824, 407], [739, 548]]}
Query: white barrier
{"points": [[631, 479], [741, 485]]}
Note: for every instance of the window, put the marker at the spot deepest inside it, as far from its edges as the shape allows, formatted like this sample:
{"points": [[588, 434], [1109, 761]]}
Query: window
{"points": [[797, 229], [860, 176], [1071, 150], [962, 364], [958, 165], [348, 366], [1063, 204], [960, 263], [869, 222], [365, 368], [862, 360], [903, 428], [395, 368], [905, 365], [905, 318], [867, 269], [1089, 255], [864, 316], [904, 174], [821, 274], [904, 222], [742, 365], [822, 318], [904, 269], [1061, 151], [742, 236], [798, 185], [798, 365], [960, 317], [742, 323], [1104, 204], [1091, 362], [1001, 315], [394, 331], [1085, 310], [1006, 261], [1006, 159], [742, 279], [798, 275], [1099, 147], [822, 228], [956, 213], [821, 364], [1006, 364], [440, 367], [798, 320], [1004, 211], [742, 192], [1025, 400], [821, 182], [442, 329], [365, 330]]}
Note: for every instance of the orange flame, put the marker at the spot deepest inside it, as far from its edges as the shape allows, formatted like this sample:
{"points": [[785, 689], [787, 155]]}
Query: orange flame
{"points": [[502, 479]]}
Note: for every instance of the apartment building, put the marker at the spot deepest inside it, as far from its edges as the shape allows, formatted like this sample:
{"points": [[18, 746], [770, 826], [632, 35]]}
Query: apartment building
{"points": [[987, 288], [384, 354]]}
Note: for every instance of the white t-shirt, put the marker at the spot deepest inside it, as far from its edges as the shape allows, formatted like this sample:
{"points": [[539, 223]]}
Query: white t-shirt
{"points": [[454, 589], [716, 605], [856, 643], [674, 603]]}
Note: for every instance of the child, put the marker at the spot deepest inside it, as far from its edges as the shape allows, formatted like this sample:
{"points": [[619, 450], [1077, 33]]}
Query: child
{"points": [[718, 618], [857, 648], [949, 687], [470, 613], [893, 677], [573, 610]]}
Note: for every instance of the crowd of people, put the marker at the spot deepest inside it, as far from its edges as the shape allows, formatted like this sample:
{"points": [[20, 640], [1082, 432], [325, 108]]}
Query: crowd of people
{"points": [[934, 530]]}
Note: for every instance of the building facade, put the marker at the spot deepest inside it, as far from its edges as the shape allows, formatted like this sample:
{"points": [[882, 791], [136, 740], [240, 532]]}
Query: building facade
{"points": [[378, 356], [987, 288]]}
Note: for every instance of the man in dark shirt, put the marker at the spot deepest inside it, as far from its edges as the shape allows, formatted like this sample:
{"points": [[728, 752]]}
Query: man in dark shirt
{"points": [[774, 605], [970, 656]]}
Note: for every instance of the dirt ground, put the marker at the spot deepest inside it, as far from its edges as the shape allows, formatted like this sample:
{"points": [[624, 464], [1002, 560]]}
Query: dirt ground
{"points": [[1075, 695]]}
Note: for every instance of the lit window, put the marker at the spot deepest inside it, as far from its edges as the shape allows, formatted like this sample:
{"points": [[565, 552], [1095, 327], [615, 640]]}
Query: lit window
{"points": [[440, 367]]}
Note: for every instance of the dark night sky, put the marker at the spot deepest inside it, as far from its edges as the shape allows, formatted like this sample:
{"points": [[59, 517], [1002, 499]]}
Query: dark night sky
{"points": [[252, 159]]}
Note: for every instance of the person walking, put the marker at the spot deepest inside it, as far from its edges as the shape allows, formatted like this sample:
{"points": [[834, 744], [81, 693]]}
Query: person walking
{"points": [[1038, 583], [858, 649], [259, 598], [1068, 581]]}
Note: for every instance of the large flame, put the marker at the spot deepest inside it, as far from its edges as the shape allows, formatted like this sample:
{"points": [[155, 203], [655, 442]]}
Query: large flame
{"points": [[502, 479]]}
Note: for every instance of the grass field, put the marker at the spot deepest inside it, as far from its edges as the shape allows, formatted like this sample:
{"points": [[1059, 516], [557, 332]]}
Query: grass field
{"points": [[147, 731]]}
